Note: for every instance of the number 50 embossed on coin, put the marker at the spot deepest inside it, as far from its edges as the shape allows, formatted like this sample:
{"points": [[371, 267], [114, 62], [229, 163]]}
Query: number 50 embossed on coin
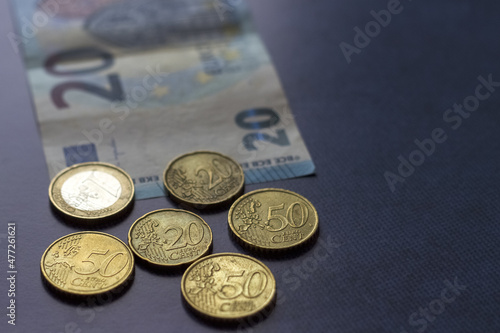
{"points": [[87, 263], [228, 286], [272, 219]]}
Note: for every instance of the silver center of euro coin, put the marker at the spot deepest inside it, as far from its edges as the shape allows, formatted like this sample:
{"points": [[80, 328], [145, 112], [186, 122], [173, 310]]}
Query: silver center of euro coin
{"points": [[91, 190]]}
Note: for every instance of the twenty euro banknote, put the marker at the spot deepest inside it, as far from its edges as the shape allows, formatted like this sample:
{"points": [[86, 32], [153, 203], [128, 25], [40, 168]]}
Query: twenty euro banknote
{"points": [[136, 83]]}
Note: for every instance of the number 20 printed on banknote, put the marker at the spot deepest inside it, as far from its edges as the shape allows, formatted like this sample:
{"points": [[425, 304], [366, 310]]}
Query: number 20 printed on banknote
{"points": [[136, 83]]}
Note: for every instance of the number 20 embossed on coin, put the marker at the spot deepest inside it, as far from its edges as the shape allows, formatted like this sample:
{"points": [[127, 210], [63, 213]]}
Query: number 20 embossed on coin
{"points": [[87, 263], [203, 179], [228, 286], [170, 237], [92, 190], [273, 219]]}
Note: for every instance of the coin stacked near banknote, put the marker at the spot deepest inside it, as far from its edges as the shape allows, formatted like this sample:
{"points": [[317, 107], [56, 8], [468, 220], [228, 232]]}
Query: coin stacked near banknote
{"points": [[87, 263], [273, 219], [220, 287], [170, 237], [91, 191], [204, 179], [196, 71]]}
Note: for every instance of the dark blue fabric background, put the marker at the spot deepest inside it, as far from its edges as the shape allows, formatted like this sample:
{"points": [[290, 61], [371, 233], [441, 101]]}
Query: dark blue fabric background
{"points": [[390, 252]]}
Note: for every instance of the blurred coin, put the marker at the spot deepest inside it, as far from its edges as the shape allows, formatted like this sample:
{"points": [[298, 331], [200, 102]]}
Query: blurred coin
{"points": [[204, 179], [91, 190]]}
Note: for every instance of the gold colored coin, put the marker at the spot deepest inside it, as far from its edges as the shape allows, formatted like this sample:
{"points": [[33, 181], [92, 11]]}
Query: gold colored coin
{"points": [[203, 179], [273, 219], [170, 237], [87, 263], [228, 286], [92, 190]]}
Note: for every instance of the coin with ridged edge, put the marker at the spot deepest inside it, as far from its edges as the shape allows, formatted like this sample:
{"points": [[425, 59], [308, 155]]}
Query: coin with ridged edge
{"points": [[87, 263], [91, 191], [273, 219], [228, 286], [170, 237], [204, 179]]}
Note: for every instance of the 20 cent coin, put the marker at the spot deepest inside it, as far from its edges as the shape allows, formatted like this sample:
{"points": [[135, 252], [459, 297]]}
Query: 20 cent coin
{"points": [[203, 179], [170, 237]]}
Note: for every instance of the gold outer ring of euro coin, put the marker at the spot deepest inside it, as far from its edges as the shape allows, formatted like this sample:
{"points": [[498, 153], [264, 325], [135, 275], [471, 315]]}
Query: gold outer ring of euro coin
{"points": [[170, 237], [204, 179], [92, 190], [273, 219], [87, 263], [228, 286]]}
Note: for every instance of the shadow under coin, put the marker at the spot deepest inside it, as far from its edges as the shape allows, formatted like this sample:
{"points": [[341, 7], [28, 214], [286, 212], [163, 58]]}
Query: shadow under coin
{"points": [[230, 324], [276, 254], [160, 270], [92, 224], [202, 209], [89, 300]]}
